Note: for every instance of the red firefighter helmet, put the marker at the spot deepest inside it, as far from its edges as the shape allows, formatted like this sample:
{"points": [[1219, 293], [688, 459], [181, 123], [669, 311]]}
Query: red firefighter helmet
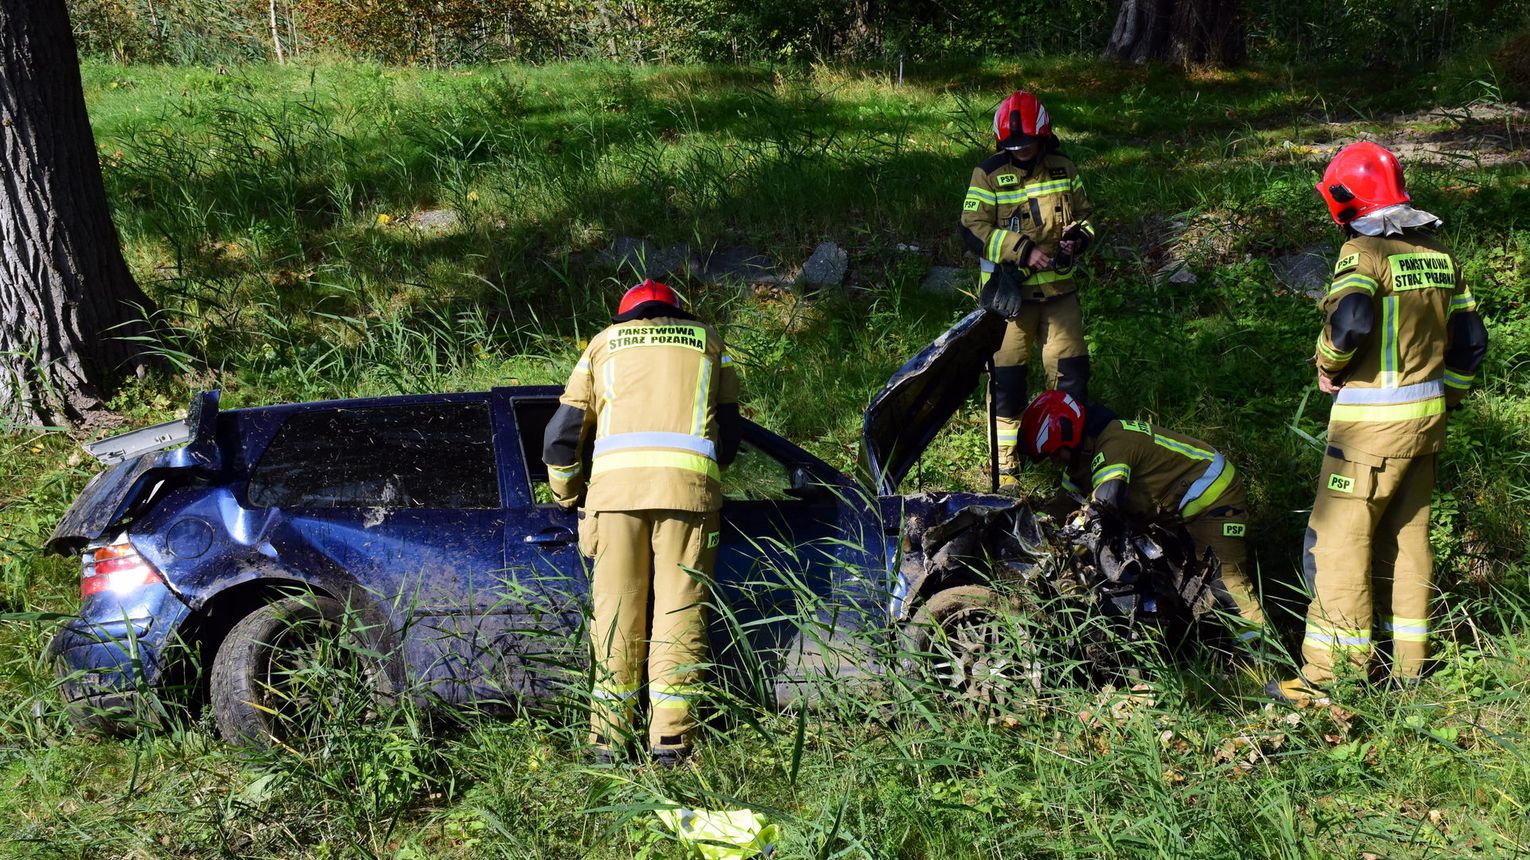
{"points": [[648, 291], [1362, 178], [1019, 120], [1053, 421]]}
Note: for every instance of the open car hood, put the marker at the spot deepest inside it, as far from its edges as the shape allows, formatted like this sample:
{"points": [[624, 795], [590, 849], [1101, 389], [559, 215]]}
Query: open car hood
{"points": [[923, 395]]}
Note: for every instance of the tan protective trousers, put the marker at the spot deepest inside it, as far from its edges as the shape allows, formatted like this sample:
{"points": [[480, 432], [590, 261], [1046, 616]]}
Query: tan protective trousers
{"points": [[638, 552], [1368, 553], [1058, 326], [1224, 528]]}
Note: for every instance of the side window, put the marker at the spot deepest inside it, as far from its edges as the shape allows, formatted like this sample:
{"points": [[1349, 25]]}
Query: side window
{"points": [[439, 455], [531, 417], [755, 476]]}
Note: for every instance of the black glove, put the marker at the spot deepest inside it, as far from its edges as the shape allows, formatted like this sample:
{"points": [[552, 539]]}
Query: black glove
{"points": [[1079, 237], [1003, 294]]}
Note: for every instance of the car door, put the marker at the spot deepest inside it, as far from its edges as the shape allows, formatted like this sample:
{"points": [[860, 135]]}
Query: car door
{"points": [[402, 498], [780, 520]]}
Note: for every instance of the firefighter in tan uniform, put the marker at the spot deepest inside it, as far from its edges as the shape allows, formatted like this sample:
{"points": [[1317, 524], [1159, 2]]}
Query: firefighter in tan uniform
{"points": [[1153, 475], [1401, 343], [659, 396], [1026, 216]]}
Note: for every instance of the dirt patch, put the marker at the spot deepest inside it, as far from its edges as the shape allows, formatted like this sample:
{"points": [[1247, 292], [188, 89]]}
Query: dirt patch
{"points": [[1484, 135]]}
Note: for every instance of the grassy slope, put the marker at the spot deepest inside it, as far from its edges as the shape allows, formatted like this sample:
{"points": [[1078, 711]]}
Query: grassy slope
{"points": [[249, 205]]}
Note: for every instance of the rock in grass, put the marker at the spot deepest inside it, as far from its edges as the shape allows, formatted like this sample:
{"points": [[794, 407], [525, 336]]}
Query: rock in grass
{"points": [[1306, 271], [1176, 272], [434, 222], [646, 259], [826, 267], [941, 279], [742, 265]]}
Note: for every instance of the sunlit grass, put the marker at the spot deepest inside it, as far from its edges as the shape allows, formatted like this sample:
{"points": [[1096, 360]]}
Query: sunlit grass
{"points": [[248, 201]]}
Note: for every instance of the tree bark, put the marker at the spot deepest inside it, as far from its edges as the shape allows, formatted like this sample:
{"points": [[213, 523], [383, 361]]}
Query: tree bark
{"points": [[68, 304], [1187, 32], [276, 36]]}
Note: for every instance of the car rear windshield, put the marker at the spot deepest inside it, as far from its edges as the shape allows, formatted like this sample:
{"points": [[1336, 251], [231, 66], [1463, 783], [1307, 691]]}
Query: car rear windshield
{"points": [[438, 455]]}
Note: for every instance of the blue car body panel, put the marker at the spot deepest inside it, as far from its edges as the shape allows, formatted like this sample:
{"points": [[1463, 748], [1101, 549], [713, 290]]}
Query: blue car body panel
{"points": [[486, 602]]}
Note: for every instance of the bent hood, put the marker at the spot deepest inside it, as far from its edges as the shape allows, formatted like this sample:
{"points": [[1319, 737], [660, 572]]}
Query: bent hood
{"points": [[922, 396]]}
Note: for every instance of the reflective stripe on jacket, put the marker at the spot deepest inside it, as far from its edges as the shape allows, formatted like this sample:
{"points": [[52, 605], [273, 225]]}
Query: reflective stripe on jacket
{"points": [[1008, 211], [1402, 334], [1167, 475], [651, 391]]}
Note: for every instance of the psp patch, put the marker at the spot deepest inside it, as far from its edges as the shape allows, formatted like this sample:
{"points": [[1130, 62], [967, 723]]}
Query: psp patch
{"points": [[1137, 427], [1099, 460], [713, 538], [1234, 529], [1007, 179], [971, 204], [1341, 483], [1346, 263]]}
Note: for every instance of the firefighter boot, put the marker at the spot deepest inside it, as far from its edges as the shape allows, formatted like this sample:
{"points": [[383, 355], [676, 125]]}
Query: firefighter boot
{"points": [[1296, 692]]}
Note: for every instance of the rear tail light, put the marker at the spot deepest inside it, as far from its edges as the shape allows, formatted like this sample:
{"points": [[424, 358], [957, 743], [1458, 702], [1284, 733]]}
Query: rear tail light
{"points": [[117, 568]]}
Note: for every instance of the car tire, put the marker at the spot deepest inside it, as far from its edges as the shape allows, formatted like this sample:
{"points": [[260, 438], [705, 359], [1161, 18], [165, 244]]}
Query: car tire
{"points": [[292, 669], [971, 644]]}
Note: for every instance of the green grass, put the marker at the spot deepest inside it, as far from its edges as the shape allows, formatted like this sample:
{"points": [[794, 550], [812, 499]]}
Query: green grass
{"points": [[248, 202]]}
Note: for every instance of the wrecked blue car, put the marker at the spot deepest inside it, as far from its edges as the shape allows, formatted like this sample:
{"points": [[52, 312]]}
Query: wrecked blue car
{"points": [[425, 521]]}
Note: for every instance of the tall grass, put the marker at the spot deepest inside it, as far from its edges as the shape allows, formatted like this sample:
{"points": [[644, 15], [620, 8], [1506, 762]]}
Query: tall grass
{"points": [[249, 207]]}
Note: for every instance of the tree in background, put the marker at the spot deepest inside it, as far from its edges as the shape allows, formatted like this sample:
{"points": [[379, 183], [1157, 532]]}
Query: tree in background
{"points": [[69, 308], [1188, 32]]}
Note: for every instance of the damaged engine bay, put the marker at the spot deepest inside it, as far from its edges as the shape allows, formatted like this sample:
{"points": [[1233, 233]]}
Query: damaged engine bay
{"points": [[1001, 599]]}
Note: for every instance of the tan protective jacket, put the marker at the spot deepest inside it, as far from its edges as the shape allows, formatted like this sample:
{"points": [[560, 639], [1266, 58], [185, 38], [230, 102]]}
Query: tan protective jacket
{"points": [[1007, 212], [651, 392], [1402, 335], [1167, 476]]}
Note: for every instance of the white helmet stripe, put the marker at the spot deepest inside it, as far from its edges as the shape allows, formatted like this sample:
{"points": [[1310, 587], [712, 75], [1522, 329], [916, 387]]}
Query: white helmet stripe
{"points": [[1041, 436], [1041, 118], [996, 119]]}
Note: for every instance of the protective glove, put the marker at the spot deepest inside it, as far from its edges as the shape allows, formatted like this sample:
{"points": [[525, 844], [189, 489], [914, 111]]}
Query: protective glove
{"points": [[1080, 238], [1003, 294]]}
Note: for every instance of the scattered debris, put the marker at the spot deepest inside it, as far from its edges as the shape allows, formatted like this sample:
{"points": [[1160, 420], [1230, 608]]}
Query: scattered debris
{"points": [[826, 267]]}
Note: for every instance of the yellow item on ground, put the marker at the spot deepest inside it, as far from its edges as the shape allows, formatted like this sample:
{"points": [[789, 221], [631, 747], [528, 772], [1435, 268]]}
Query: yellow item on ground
{"points": [[734, 834]]}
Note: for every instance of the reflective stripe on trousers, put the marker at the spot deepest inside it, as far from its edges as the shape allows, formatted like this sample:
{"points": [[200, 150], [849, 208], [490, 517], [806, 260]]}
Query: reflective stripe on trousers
{"points": [[1207, 488]]}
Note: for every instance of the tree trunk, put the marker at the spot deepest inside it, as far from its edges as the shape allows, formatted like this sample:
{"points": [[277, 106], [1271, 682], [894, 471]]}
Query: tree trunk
{"points": [[1187, 32], [276, 36], [67, 300]]}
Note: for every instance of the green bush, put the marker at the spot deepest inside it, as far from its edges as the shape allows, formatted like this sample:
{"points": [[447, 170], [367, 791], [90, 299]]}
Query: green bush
{"points": [[1375, 34]]}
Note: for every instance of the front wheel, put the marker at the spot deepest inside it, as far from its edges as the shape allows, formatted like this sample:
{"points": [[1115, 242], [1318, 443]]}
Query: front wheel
{"points": [[292, 669], [971, 643]]}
